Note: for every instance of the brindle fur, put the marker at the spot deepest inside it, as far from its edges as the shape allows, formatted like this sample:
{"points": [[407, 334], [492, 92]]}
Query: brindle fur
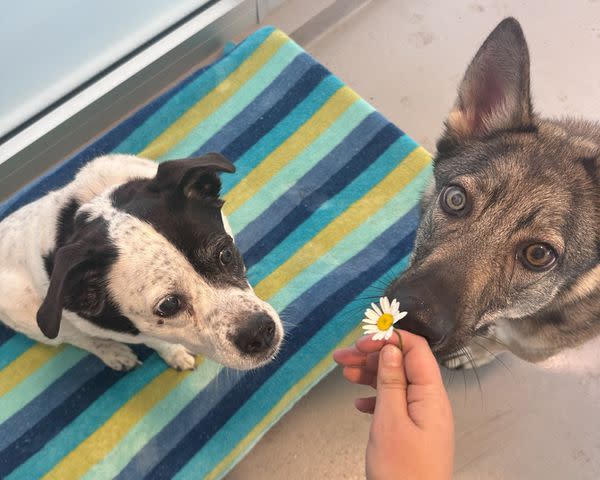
{"points": [[529, 179]]}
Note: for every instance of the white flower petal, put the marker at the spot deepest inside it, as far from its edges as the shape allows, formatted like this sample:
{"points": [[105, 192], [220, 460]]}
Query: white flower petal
{"points": [[372, 315], [376, 310], [378, 336], [385, 304]]}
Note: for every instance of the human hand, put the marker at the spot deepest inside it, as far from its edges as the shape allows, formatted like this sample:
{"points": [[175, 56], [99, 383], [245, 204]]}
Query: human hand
{"points": [[412, 432]]}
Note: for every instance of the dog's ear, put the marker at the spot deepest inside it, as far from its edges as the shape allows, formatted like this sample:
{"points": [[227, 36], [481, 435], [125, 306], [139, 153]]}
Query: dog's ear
{"points": [[67, 260], [494, 93], [192, 177], [76, 277]]}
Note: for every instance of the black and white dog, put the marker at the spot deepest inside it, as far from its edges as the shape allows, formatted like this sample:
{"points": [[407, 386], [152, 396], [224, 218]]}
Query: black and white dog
{"points": [[135, 252]]}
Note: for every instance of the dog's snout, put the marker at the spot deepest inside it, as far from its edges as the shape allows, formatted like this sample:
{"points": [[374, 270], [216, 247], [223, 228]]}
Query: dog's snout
{"points": [[257, 335], [422, 318]]}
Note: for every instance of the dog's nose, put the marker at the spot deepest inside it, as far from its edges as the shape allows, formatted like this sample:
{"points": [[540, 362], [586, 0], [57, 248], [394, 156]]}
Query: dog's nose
{"points": [[422, 319], [256, 336]]}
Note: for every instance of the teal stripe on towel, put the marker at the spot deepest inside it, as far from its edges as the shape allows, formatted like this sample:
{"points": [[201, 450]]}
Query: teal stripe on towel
{"points": [[332, 208], [351, 244], [13, 348], [154, 421], [294, 170], [190, 95], [90, 420], [236, 103], [284, 129], [38, 381]]}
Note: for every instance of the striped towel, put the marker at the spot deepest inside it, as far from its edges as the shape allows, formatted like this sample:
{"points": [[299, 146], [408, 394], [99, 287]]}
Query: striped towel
{"points": [[324, 206]]}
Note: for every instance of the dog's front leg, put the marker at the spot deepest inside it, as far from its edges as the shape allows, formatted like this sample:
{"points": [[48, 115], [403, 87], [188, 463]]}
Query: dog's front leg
{"points": [[175, 355], [117, 356]]}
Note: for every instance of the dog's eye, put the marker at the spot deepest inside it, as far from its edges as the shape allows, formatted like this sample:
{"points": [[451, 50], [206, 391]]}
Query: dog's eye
{"points": [[454, 199], [168, 306], [225, 256], [538, 256]]}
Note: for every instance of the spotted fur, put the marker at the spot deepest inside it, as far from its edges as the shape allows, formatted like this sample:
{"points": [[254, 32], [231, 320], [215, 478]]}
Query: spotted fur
{"points": [[89, 263]]}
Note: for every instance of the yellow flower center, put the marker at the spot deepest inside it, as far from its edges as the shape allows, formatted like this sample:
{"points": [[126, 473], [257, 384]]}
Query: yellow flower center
{"points": [[385, 321]]}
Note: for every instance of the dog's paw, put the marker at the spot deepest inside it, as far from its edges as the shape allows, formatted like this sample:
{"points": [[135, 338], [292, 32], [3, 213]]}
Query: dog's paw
{"points": [[117, 356], [178, 357], [468, 358]]}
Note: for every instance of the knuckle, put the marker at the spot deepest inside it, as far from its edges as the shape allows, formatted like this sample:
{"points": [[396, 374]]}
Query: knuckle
{"points": [[391, 380]]}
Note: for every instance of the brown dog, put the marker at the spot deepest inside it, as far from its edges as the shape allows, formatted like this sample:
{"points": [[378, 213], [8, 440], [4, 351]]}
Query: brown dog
{"points": [[507, 252]]}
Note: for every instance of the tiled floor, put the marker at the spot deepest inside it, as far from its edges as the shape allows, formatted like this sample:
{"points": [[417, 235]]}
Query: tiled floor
{"points": [[526, 421]]}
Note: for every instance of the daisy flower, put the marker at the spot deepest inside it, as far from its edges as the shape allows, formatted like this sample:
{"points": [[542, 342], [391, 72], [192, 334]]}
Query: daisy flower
{"points": [[380, 320]]}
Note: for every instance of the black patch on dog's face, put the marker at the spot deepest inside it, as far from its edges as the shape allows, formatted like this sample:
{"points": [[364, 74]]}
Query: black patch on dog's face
{"points": [[89, 298], [194, 225], [85, 292]]}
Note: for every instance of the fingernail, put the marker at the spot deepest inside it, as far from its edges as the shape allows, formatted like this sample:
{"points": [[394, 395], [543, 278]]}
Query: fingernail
{"points": [[392, 357]]}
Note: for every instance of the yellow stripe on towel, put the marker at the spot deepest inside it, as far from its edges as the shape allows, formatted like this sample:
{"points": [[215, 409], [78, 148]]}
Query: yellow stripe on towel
{"points": [[24, 365], [356, 214], [103, 440], [282, 406], [323, 118], [211, 102]]}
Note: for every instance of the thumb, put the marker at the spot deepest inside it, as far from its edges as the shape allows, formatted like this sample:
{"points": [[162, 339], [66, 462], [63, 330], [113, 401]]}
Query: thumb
{"points": [[391, 384]]}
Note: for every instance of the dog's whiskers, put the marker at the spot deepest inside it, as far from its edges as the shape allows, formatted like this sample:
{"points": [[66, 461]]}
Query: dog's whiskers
{"points": [[474, 368], [496, 358]]}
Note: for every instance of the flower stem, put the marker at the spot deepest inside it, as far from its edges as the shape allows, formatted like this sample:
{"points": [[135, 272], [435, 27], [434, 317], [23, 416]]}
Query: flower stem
{"points": [[397, 332]]}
